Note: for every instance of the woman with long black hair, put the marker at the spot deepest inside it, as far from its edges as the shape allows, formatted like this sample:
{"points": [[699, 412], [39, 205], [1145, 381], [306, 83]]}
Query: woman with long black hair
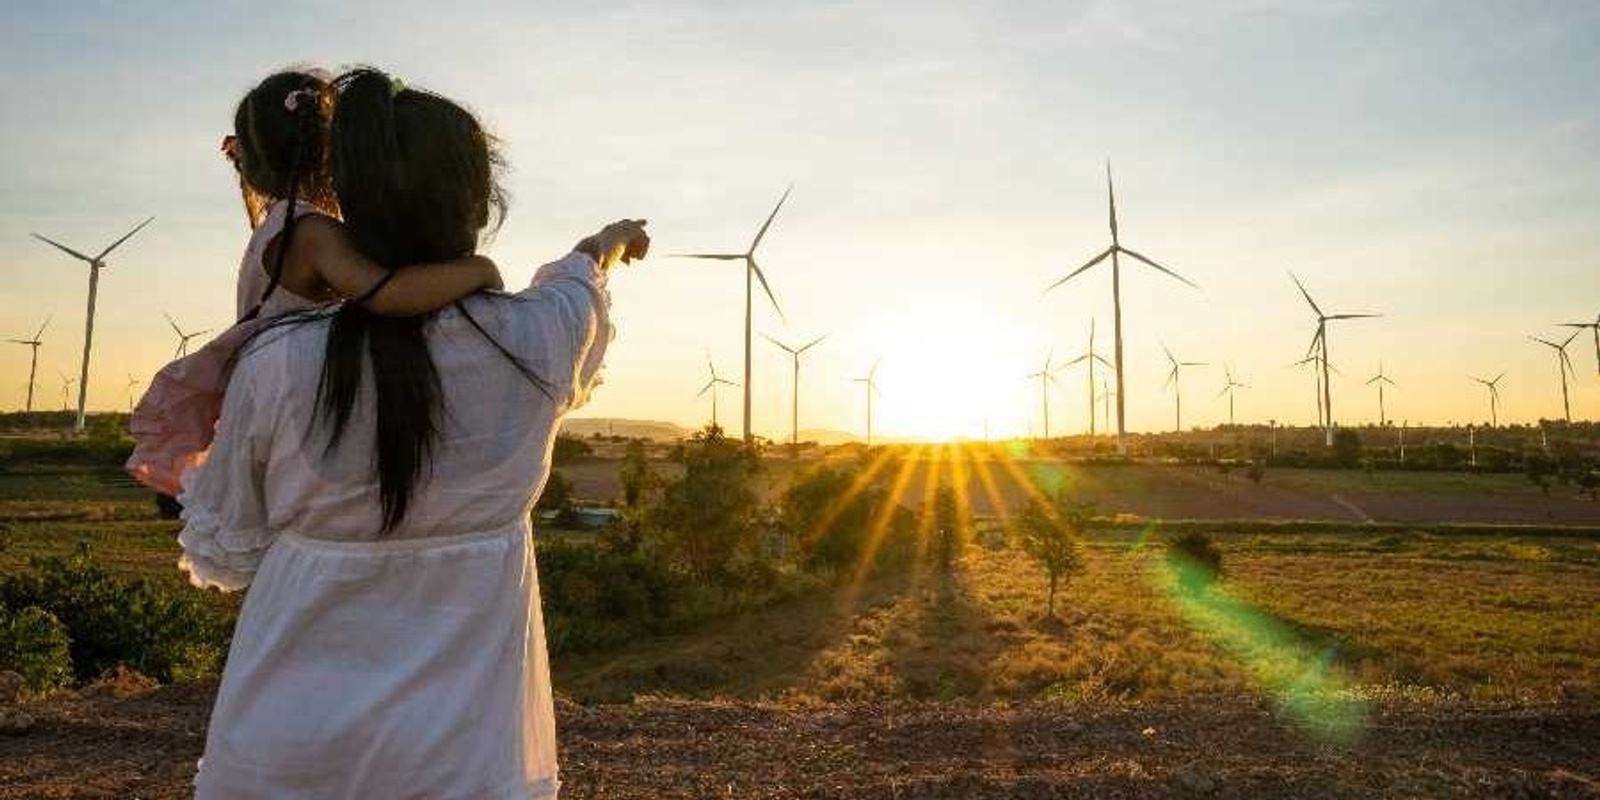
{"points": [[371, 481]]}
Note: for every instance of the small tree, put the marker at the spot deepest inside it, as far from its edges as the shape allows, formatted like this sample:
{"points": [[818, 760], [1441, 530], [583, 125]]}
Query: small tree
{"points": [[635, 474], [569, 449], [1346, 448], [1051, 532], [950, 526], [707, 517], [1196, 560]]}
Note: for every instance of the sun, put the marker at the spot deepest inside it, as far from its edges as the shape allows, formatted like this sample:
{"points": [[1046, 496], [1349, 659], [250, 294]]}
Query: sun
{"points": [[950, 369]]}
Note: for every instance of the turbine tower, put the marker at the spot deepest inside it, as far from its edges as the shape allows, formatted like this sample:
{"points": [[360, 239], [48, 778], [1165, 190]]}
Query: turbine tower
{"points": [[752, 273], [33, 363], [1046, 376], [1114, 251], [132, 382], [1090, 357], [711, 386], [1319, 344], [1315, 361], [795, 353], [96, 264], [1381, 379], [1227, 389], [1594, 328], [1494, 398], [1563, 367], [183, 338], [66, 390], [1172, 380], [871, 382]]}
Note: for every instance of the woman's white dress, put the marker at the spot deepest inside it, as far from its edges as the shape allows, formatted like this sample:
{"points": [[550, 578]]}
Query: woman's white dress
{"points": [[412, 664]]}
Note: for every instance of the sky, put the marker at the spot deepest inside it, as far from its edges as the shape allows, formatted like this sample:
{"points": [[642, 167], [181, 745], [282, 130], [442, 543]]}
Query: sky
{"points": [[1433, 162]]}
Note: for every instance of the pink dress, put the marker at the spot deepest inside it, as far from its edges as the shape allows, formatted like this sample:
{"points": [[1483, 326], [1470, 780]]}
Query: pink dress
{"points": [[175, 420]]}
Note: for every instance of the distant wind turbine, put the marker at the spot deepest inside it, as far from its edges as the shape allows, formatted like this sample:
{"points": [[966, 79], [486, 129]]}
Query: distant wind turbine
{"points": [[752, 273], [1494, 398], [1090, 357], [1116, 249], [1563, 367], [1315, 360], [33, 363], [132, 382], [96, 264], [795, 353], [711, 386], [183, 338], [1381, 379], [1594, 328], [66, 390], [1046, 377], [1228, 389], [1319, 344], [1174, 382], [871, 382], [1106, 393]]}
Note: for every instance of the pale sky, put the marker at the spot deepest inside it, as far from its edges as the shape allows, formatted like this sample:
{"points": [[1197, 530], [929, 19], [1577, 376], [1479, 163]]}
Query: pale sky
{"points": [[1431, 161]]}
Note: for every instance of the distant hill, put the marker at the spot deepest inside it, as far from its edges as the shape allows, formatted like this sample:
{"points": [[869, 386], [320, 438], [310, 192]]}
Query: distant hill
{"points": [[631, 428], [825, 437]]}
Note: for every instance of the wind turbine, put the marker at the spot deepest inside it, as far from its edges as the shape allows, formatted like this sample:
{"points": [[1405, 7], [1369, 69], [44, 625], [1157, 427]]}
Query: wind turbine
{"points": [[1091, 357], [183, 338], [711, 386], [1563, 366], [1381, 379], [1116, 249], [1227, 389], [752, 273], [795, 353], [1172, 380], [66, 390], [1316, 372], [33, 363], [871, 382], [132, 382], [1594, 327], [96, 264], [1494, 398], [1319, 344], [1106, 393], [1046, 376]]}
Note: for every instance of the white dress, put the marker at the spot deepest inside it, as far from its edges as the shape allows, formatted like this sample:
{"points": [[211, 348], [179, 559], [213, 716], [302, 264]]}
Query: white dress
{"points": [[413, 664]]}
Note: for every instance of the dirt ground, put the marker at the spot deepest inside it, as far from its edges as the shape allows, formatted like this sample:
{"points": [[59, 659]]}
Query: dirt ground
{"points": [[144, 745]]}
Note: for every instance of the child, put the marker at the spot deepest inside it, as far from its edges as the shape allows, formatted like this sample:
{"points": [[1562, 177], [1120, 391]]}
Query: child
{"points": [[298, 258]]}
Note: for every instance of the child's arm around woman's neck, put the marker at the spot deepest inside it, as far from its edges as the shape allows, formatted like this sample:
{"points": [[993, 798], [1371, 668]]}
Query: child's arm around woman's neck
{"points": [[324, 264]]}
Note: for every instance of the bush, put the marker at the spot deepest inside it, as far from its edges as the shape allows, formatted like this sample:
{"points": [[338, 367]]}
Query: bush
{"points": [[1051, 533], [1196, 560], [835, 515], [162, 632], [707, 518], [596, 596], [33, 643], [569, 449]]}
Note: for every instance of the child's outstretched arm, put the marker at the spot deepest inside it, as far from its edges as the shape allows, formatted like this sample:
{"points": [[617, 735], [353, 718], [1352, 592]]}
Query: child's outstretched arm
{"points": [[322, 259]]}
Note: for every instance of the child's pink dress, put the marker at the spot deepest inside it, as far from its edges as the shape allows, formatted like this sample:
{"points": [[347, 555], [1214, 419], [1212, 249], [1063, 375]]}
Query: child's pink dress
{"points": [[176, 419]]}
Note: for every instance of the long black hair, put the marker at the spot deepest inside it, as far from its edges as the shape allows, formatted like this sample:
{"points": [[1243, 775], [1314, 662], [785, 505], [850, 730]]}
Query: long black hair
{"points": [[415, 176], [280, 152]]}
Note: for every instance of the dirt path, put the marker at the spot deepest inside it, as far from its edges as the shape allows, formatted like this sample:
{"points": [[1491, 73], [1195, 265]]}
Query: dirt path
{"points": [[144, 746]]}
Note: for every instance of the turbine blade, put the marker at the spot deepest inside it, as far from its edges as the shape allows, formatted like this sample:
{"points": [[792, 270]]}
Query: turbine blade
{"points": [[125, 237], [1093, 261], [762, 276], [1570, 338], [706, 388], [1354, 316], [1193, 364], [175, 328], [712, 256], [1083, 357], [1498, 377], [63, 248], [1111, 199], [1158, 266], [770, 217], [1305, 294], [1102, 360], [813, 343], [780, 344], [1545, 342], [200, 333], [45, 325]]}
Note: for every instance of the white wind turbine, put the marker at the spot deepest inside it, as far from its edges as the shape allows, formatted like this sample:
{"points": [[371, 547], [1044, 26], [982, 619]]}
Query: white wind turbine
{"points": [[1116, 249], [1594, 328], [183, 338], [871, 382], [752, 273], [1173, 381], [33, 363], [96, 264], [1228, 388], [132, 383], [1494, 397], [711, 386], [795, 353], [1090, 358], [66, 390], [1381, 379], [1046, 377], [1563, 367], [1319, 346]]}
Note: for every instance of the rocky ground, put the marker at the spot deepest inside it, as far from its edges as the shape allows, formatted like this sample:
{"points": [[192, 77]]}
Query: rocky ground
{"points": [[136, 741]]}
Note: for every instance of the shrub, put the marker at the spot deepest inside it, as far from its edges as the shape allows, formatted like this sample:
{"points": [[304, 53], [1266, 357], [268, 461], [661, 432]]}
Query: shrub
{"points": [[569, 449], [1195, 559], [837, 515], [596, 596], [950, 526], [165, 633], [1051, 533], [1346, 448], [706, 518], [33, 643]]}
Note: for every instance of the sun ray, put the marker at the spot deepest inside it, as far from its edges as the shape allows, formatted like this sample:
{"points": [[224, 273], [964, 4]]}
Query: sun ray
{"points": [[879, 526]]}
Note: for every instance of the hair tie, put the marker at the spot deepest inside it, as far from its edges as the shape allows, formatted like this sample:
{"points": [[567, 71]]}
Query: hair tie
{"points": [[396, 86], [291, 101]]}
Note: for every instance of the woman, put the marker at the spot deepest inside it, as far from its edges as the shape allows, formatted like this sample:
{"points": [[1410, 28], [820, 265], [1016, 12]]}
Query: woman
{"points": [[371, 481]]}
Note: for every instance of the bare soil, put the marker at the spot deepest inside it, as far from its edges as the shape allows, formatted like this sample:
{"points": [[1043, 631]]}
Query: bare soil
{"points": [[143, 743]]}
